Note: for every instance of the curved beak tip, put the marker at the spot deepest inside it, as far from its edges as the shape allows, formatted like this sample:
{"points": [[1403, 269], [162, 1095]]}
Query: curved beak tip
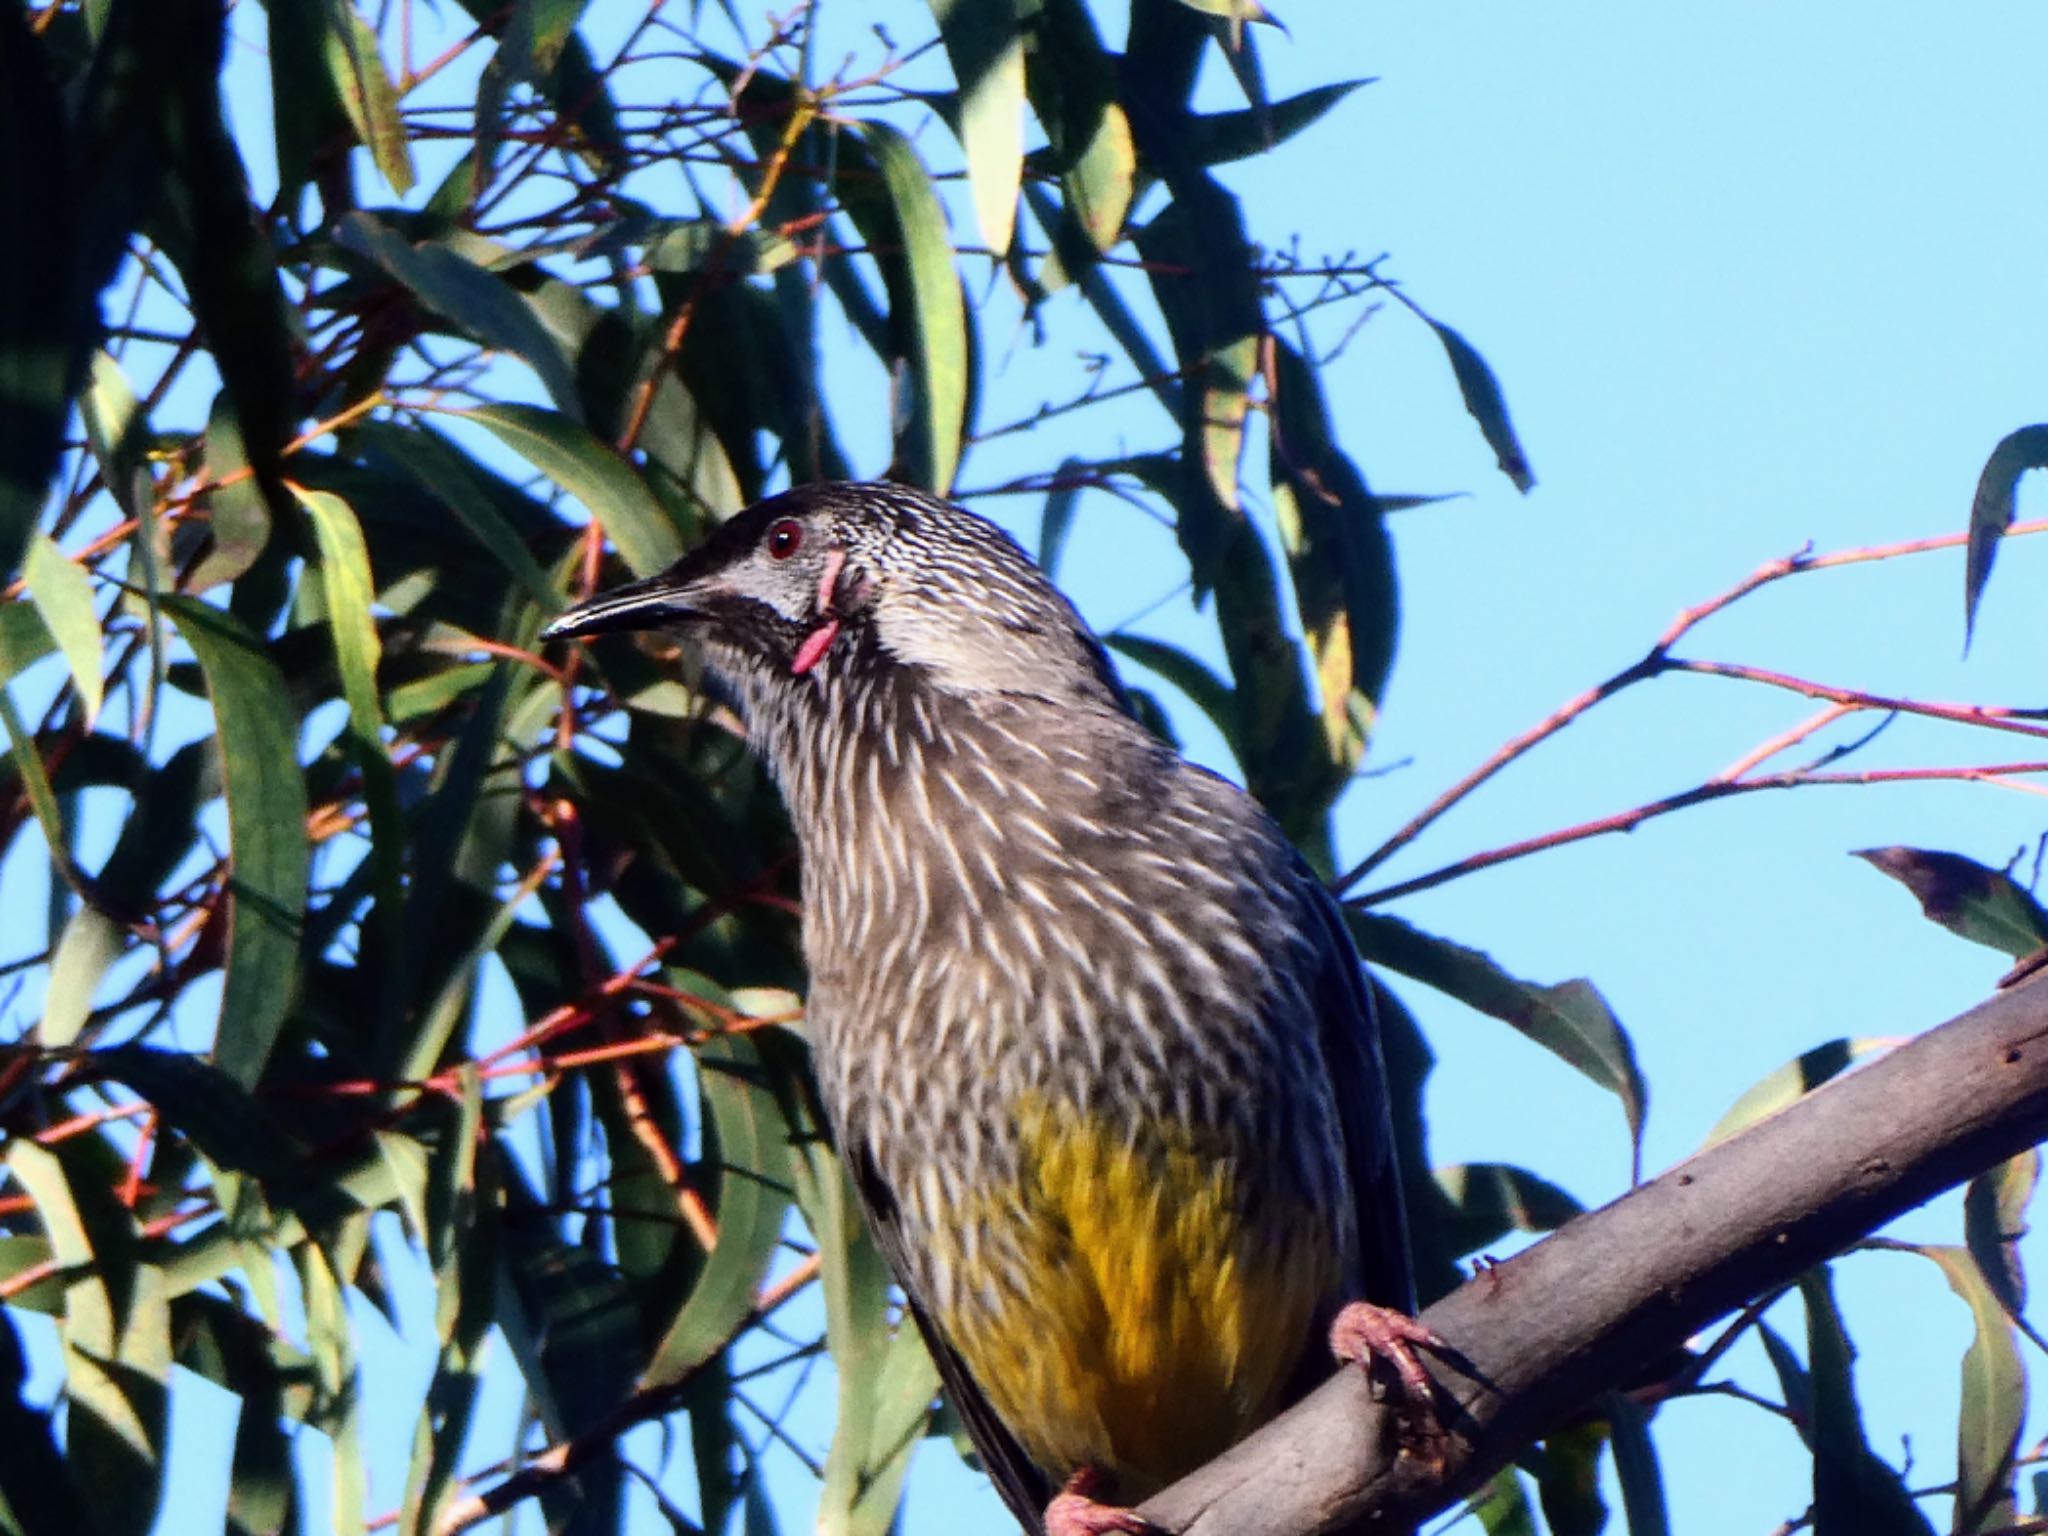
{"points": [[645, 604]]}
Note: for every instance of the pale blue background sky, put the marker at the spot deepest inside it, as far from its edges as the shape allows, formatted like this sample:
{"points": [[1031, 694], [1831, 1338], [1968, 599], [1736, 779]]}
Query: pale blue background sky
{"points": [[1750, 275]]}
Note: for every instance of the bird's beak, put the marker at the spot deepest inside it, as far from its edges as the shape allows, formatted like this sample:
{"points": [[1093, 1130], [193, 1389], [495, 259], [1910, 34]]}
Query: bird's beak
{"points": [[654, 603]]}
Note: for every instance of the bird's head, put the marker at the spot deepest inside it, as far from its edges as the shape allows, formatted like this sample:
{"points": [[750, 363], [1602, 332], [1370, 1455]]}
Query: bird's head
{"points": [[826, 580]]}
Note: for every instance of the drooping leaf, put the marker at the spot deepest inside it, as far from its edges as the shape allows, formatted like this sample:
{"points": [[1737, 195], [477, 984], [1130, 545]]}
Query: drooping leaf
{"points": [[1636, 1468], [1854, 1493], [1488, 406], [36, 1488], [441, 468], [50, 285], [1503, 1506], [567, 454], [1568, 1480], [1795, 1385], [1985, 906], [536, 35], [751, 1199], [1339, 554], [90, 944], [892, 202], [984, 40], [1489, 1200], [1199, 262], [63, 596], [115, 1338], [1995, 1219], [338, 1405], [224, 256], [240, 520], [267, 844], [477, 302], [1570, 1019], [1072, 82], [35, 784], [1991, 510], [1218, 137], [356, 67], [1994, 1397]]}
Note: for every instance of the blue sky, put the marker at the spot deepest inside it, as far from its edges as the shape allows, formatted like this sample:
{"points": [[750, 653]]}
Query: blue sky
{"points": [[1750, 275]]}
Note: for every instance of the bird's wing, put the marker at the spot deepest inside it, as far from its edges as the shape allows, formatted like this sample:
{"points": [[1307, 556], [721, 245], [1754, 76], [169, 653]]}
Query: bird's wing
{"points": [[1358, 1074], [1023, 1486]]}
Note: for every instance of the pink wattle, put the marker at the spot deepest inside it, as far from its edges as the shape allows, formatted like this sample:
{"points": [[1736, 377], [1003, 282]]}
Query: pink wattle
{"points": [[816, 643]]}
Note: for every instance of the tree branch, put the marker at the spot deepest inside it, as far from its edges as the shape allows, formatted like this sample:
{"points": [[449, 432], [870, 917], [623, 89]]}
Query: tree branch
{"points": [[1544, 1333]]}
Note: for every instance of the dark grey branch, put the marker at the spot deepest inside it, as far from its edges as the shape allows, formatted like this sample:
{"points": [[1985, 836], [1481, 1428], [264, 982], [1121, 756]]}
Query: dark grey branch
{"points": [[1543, 1334]]}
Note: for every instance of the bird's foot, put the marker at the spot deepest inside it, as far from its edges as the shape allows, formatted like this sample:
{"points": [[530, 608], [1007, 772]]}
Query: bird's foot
{"points": [[1075, 1511], [1364, 1332]]}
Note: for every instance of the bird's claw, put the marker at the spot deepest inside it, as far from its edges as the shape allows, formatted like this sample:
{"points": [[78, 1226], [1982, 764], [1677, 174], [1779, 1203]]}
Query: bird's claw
{"points": [[1363, 1332], [1075, 1511]]}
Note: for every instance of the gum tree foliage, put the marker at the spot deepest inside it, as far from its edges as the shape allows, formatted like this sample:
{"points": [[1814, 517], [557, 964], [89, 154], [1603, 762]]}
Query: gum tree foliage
{"points": [[386, 957]]}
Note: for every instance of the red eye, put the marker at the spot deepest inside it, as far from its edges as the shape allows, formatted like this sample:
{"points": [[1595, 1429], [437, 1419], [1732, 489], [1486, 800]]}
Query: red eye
{"points": [[785, 539]]}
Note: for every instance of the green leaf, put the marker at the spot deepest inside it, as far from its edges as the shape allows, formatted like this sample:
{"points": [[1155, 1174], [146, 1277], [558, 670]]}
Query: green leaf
{"points": [[985, 42], [1200, 264], [1793, 1382], [1994, 1220], [1486, 403], [367, 94], [43, 294], [460, 1240], [899, 215], [240, 521], [350, 592], [1073, 87], [36, 1489], [1994, 1397], [536, 35], [688, 247], [1854, 1493], [1991, 510], [886, 1380], [1792, 1082], [266, 798], [24, 639], [1568, 1480], [92, 941], [1503, 1507], [480, 304], [339, 1403], [1339, 555], [231, 1128], [444, 471], [1490, 1200], [115, 1334], [223, 251], [752, 1198], [1635, 1468], [63, 596], [1569, 1019], [615, 496], [115, 429], [1985, 906], [1215, 138], [35, 784], [1057, 521]]}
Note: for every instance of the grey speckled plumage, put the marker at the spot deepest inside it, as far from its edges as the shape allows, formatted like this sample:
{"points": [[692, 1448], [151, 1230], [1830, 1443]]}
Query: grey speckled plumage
{"points": [[1068, 992]]}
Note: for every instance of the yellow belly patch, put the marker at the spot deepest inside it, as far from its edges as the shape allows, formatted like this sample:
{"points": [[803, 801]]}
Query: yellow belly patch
{"points": [[1153, 1328]]}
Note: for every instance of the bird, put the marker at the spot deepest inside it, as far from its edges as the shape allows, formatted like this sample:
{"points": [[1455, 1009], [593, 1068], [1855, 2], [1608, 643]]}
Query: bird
{"points": [[1092, 1040]]}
